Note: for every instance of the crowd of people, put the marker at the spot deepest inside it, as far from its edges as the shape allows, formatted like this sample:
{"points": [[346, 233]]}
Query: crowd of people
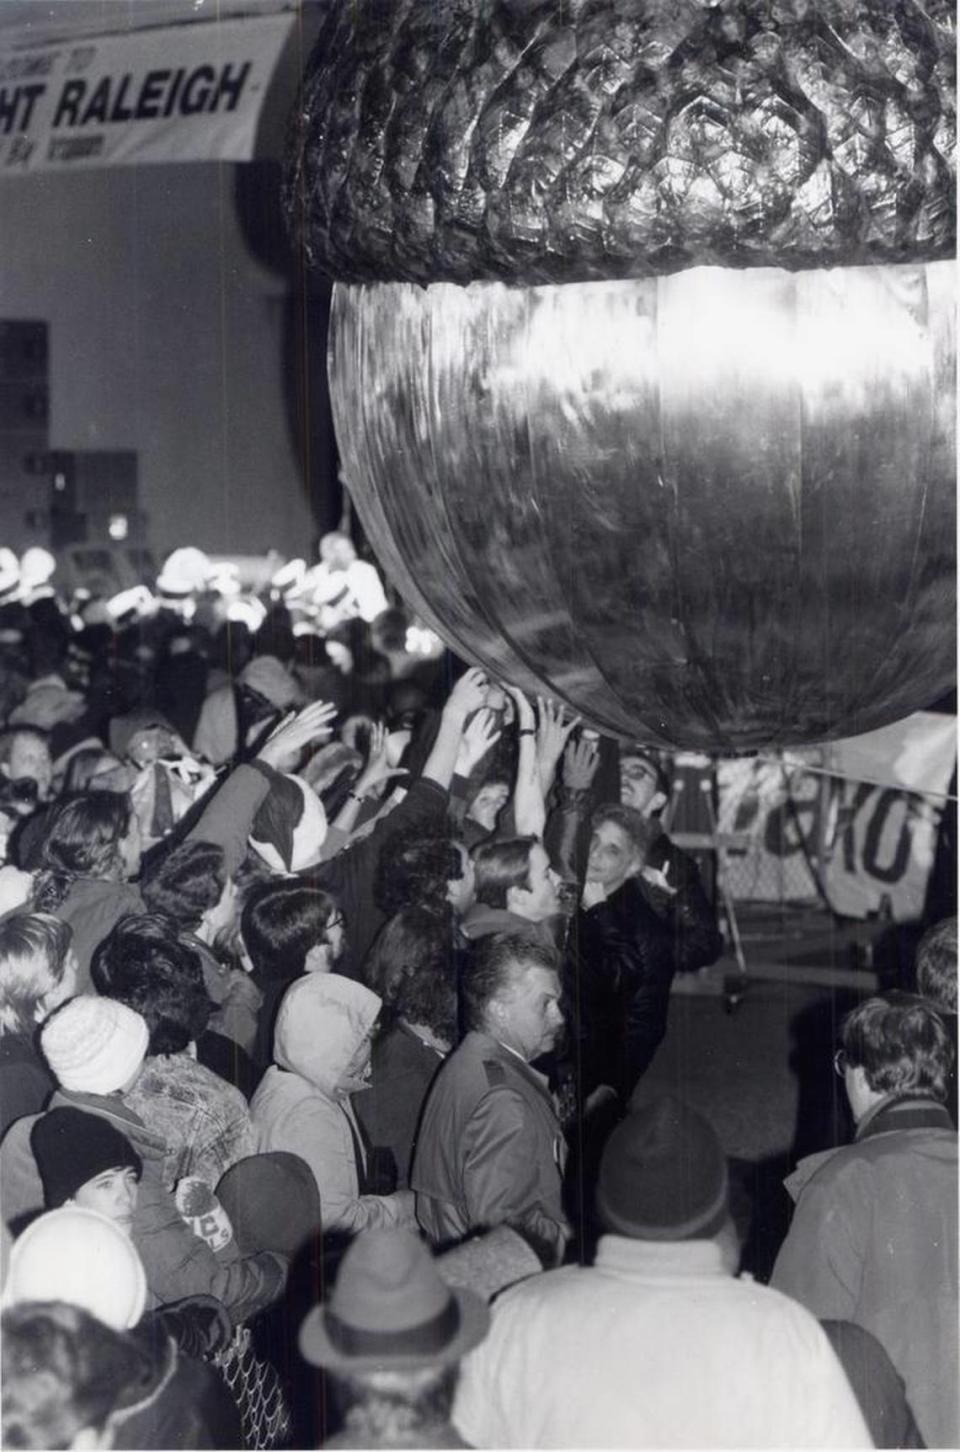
{"points": [[330, 970]]}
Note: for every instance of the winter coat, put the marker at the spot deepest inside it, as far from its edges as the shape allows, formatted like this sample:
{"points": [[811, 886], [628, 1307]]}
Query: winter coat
{"points": [[490, 1150], [185, 1404], [617, 976], [482, 921], [204, 1122], [303, 1102], [92, 907], [874, 1241], [402, 1069], [25, 1081], [177, 1262], [876, 1383], [692, 921], [654, 1345]]}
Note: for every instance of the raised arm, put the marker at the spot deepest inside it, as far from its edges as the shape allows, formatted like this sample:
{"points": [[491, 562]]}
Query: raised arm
{"points": [[553, 733], [466, 697], [376, 771], [563, 839], [228, 816], [529, 812]]}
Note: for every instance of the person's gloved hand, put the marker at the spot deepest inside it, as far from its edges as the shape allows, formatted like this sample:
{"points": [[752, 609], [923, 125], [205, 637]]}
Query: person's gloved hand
{"points": [[198, 1324]]}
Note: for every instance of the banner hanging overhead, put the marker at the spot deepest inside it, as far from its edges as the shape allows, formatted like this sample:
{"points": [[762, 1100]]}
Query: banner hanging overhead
{"points": [[169, 94]]}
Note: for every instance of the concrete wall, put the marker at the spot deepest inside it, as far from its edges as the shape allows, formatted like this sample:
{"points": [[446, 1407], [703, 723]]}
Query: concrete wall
{"points": [[166, 337]]}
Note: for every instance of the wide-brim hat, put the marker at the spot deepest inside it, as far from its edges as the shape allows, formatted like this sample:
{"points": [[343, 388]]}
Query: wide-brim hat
{"points": [[392, 1311]]}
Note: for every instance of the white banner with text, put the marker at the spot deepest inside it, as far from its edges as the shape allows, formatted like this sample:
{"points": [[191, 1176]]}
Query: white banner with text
{"points": [[855, 822], [169, 94]]}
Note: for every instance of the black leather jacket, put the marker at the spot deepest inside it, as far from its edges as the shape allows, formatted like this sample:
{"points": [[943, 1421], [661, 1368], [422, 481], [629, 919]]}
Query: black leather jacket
{"points": [[618, 971]]}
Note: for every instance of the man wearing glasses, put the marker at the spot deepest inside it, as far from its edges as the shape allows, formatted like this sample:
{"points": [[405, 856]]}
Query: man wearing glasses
{"points": [[874, 1233]]}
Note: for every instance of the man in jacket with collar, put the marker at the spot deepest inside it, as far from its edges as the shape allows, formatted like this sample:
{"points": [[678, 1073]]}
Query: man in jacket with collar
{"points": [[490, 1149], [874, 1233]]}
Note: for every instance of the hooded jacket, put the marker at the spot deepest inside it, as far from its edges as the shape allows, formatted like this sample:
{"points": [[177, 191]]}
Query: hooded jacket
{"points": [[303, 1102]]}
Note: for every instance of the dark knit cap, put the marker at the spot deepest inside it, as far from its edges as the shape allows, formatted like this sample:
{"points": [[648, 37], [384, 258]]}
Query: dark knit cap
{"points": [[71, 1147], [663, 1175], [272, 1201]]}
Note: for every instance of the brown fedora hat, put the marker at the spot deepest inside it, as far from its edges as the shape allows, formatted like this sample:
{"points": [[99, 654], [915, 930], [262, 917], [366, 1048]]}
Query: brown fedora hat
{"points": [[390, 1309]]}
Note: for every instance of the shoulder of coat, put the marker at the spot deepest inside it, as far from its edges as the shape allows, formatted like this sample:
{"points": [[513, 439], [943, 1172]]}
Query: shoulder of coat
{"points": [[495, 1073]]}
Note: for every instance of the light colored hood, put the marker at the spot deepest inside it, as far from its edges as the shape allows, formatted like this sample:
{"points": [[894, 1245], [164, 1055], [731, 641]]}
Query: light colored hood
{"points": [[323, 1020]]}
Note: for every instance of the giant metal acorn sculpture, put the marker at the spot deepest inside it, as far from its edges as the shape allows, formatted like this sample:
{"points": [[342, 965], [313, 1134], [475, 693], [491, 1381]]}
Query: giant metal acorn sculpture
{"points": [[643, 344]]}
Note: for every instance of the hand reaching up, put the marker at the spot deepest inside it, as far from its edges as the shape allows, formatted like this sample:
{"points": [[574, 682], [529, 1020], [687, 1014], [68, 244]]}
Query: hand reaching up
{"points": [[553, 733], [378, 769], [468, 693], [526, 721], [480, 735], [296, 731], [580, 762]]}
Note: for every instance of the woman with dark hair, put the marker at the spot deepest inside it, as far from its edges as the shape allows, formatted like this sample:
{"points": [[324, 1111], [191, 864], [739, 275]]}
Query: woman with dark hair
{"points": [[92, 849], [38, 971], [412, 967], [428, 871], [288, 928], [204, 1120], [193, 888]]}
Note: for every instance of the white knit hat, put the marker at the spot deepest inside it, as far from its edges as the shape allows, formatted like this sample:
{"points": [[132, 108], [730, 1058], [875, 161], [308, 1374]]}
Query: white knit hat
{"points": [[78, 1256], [94, 1045]]}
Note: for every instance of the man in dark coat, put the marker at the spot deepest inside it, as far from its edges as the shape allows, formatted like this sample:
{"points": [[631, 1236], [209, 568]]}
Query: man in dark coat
{"points": [[645, 787], [620, 960]]}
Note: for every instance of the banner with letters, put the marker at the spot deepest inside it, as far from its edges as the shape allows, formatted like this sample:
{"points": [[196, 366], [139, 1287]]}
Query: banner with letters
{"points": [[166, 94], [795, 830]]}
